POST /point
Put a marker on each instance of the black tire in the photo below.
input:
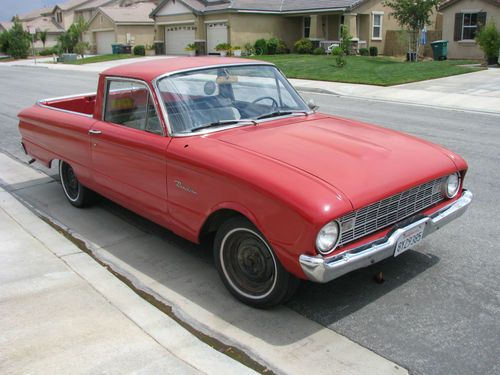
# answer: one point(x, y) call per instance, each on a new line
point(77, 194)
point(248, 266)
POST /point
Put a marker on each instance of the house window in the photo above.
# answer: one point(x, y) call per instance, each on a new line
point(58, 17)
point(469, 26)
point(307, 26)
point(377, 26)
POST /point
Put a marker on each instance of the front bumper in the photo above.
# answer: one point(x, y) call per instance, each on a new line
point(322, 270)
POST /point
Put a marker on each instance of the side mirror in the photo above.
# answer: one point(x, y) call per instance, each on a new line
point(312, 105)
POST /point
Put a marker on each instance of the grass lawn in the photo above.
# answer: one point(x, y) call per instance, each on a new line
point(381, 71)
point(101, 58)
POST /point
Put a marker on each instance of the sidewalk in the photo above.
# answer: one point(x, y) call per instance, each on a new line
point(62, 312)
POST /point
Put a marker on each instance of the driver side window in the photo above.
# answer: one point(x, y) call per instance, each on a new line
point(129, 103)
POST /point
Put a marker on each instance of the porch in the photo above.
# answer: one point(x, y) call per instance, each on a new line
point(325, 29)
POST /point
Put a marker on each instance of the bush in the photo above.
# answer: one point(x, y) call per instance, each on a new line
point(272, 46)
point(319, 51)
point(373, 51)
point(488, 39)
point(340, 59)
point(260, 47)
point(223, 47)
point(303, 45)
point(364, 52)
point(248, 49)
point(139, 50)
point(81, 47)
point(50, 51)
point(282, 48)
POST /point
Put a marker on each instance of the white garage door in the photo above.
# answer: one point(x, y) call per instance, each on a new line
point(177, 38)
point(216, 34)
point(104, 40)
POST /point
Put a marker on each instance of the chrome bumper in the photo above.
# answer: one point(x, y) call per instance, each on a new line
point(322, 270)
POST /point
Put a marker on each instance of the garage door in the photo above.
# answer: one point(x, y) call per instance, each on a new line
point(104, 40)
point(216, 34)
point(177, 38)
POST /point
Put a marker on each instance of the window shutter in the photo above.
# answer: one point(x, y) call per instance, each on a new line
point(481, 20)
point(458, 26)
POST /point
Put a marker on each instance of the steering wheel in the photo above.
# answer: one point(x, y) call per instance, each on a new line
point(274, 105)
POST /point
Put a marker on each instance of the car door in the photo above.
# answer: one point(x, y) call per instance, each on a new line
point(128, 149)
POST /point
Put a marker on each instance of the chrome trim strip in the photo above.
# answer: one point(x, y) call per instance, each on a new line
point(154, 83)
point(125, 79)
point(41, 103)
point(322, 269)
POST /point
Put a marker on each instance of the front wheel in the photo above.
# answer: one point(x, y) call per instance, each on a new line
point(77, 194)
point(248, 266)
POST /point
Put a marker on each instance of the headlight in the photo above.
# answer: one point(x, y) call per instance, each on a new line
point(328, 237)
point(451, 185)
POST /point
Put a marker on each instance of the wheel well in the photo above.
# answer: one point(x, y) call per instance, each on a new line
point(214, 221)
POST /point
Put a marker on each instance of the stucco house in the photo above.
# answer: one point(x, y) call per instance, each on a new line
point(210, 22)
point(126, 25)
point(461, 20)
point(40, 20)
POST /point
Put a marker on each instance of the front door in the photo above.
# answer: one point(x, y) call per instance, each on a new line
point(128, 149)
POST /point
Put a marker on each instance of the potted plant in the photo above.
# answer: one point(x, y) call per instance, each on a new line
point(191, 49)
point(488, 38)
point(223, 48)
point(236, 50)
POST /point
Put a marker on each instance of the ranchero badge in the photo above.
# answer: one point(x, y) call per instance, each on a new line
point(187, 189)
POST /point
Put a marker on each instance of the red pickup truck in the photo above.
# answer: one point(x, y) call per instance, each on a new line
point(226, 149)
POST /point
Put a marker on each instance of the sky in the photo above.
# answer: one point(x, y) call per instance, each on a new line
point(9, 8)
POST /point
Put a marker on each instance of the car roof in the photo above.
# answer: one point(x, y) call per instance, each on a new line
point(149, 70)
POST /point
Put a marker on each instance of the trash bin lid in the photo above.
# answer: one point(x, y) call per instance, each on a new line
point(439, 42)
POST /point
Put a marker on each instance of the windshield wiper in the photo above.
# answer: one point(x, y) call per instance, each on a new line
point(280, 113)
point(221, 123)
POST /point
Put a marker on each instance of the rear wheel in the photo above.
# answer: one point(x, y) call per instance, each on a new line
point(248, 266)
point(77, 194)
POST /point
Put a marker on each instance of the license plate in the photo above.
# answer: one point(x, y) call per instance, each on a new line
point(409, 239)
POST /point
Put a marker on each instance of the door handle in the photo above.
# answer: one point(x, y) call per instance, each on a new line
point(94, 132)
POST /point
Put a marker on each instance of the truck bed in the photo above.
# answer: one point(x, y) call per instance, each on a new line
point(81, 104)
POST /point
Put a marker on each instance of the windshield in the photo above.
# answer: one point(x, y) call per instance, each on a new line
point(227, 95)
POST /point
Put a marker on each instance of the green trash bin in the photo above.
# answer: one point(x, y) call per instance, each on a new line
point(117, 48)
point(440, 50)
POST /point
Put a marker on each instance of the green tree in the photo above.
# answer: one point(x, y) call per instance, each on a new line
point(413, 16)
point(4, 41)
point(18, 41)
point(345, 39)
point(72, 40)
point(42, 36)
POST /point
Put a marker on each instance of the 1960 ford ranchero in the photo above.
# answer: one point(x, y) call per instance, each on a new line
point(225, 148)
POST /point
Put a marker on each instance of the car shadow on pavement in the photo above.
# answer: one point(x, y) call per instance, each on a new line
point(182, 274)
point(331, 302)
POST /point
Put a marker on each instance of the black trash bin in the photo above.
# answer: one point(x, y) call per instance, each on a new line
point(440, 50)
point(126, 49)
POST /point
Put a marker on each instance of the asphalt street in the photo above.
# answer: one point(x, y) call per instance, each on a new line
point(438, 309)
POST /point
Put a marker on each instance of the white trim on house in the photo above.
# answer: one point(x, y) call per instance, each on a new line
point(380, 26)
point(217, 21)
point(168, 23)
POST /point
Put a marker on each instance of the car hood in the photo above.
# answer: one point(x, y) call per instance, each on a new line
point(366, 163)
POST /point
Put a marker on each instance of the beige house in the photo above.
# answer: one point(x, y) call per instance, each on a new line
point(129, 25)
point(40, 20)
point(461, 20)
point(210, 22)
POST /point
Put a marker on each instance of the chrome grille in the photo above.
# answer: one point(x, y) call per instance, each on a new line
point(388, 211)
